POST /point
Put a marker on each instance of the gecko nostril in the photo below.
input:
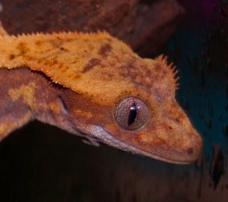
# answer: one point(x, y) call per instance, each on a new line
point(170, 127)
point(190, 151)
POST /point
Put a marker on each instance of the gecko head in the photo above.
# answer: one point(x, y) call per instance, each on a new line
point(163, 132)
point(123, 100)
point(148, 120)
point(147, 129)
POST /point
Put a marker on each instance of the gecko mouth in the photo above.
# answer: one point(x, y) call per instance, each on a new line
point(101, 134)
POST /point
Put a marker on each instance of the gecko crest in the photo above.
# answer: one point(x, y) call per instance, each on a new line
point(162, 58)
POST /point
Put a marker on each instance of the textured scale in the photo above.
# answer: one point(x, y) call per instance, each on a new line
point(94, 86)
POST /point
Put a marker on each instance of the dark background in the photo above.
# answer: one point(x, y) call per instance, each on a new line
point(42, 163)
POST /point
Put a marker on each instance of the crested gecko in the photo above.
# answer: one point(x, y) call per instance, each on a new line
point(94, 86)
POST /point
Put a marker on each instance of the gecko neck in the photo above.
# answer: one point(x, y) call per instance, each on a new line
point(27, 95)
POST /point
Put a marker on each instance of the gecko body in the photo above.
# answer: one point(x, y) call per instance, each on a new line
point(94, 86)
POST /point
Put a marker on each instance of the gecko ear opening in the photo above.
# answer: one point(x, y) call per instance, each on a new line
point(131, 113)
point(63, 105)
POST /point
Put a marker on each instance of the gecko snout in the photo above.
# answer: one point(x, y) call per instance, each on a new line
point(195, 149)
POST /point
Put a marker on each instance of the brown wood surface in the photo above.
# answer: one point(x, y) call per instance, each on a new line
point(144, 25)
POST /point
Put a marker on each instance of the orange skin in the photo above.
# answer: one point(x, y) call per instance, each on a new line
point(94, 86)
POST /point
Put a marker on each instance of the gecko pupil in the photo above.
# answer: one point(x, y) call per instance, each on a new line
point(132, 114)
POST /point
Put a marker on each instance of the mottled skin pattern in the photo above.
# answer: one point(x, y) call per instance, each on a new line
point(74, 81)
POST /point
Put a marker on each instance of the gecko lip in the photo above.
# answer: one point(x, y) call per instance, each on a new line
point(105, 137)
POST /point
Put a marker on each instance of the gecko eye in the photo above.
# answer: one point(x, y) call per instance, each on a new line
point(131, 113)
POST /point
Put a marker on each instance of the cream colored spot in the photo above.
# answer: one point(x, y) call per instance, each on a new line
point(84, 113)
point(55, 107)
point(26, 92)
